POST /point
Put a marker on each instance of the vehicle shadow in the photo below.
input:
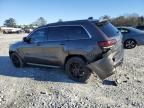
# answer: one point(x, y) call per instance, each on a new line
point(33, 72)
point(109, 82)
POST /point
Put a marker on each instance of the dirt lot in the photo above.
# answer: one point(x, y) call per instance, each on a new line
point(38, 87)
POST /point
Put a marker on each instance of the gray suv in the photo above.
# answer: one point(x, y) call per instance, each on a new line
point(80, 47)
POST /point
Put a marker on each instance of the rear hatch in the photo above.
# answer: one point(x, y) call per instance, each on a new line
point(112, 50)
point(115, 37)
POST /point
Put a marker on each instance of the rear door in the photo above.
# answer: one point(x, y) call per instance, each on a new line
point(78, 40)
point(112, 53)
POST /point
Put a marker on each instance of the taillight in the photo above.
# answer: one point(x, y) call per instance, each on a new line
point(108, 43)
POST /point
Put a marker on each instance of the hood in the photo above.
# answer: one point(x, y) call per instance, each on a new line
point(16, 45)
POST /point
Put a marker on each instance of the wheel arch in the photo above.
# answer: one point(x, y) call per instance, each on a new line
point(130, 39)
point(74, 55)
point(11, 52)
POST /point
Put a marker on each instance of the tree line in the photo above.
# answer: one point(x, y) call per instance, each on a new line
point(126, 20)
point(123, 20)
point(11, 22)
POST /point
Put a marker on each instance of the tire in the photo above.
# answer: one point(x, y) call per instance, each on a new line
point(75, 67)
point(130, 43)
point(16, 60)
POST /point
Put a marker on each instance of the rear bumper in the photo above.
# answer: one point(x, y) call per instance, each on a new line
point(105, 67)
point(119, 63)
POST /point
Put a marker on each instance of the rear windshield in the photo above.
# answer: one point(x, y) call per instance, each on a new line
point(108, 29)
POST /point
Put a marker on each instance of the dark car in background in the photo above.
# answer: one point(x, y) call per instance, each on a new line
point(79, 46)
point(140, 27)
point(132, 37)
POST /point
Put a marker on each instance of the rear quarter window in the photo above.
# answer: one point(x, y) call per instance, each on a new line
point(108, 29)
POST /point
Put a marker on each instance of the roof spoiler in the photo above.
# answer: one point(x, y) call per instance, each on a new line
point(100, 21)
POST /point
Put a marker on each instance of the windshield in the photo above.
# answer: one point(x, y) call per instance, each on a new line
point(108, 29)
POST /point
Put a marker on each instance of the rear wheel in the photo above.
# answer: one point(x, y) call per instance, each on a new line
point(76, 69)
point(129, 44)
point(16, 60)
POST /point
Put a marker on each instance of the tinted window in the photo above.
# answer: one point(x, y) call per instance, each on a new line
point(39, 35)
point(77, 32)
point(57, 33)
point(108, 29)
point(122, 30)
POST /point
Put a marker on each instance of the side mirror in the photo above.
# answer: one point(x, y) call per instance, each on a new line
point(25, 39)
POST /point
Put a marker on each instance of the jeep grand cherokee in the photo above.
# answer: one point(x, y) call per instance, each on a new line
point(81, 47)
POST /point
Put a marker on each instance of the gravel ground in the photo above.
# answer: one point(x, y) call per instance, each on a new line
point(39, 87)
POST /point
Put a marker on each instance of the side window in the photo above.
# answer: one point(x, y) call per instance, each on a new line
point(57, 33)
point(77, 32)
point(39, 35)
point(124, 31)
